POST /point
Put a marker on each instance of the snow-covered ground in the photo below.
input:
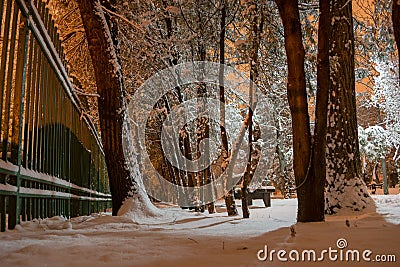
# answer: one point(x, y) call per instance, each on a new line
point(182, 238)
point(389, 207)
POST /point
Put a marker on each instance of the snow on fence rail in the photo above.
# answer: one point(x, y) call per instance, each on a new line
point(51, 158)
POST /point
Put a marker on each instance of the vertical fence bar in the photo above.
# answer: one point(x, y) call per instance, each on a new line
point(3, 211)
point(39, 149)
point(32, 106)
point(37, 111)
point(28, 208)
point(68, 166)
point(53, 145)
point(9, 83)
point(46, 133)
point(19, 96)
point(28, 104)
point(3, 66)
point(57, 126)
point(51, 135)
point(23, 208)
point(12, 212)
point(34, 208)
point(40, 121)
point(54, 106)
point(46, 125)
point(19, 93)
point(63, 139)
point(45, 141)
point(50, 207)
point(13, 200)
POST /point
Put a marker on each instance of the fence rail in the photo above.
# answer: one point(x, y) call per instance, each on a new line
point(51, 158)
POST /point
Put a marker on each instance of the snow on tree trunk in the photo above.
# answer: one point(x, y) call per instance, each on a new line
point(282, 167)
point(346, 190)
point(125, 178)
point(137, 205)
point(229, 199)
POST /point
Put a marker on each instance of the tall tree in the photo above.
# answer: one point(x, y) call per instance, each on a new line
point(272, 73)
point(256, 27)
point(125, 180)
point(345, 187)
point(309, 189)
point(323, 87)
point(396, 27)
point(229, 200)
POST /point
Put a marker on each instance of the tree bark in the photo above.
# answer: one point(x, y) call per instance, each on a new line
point(124, 182)
point(203, 134)
point(255, 31)
point(319, 146)
point(229, 199)
point(345, 187)
point(307, 190)
point(285, 188)
point(396, 27)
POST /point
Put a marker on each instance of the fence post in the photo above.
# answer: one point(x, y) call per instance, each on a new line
point(17, 127)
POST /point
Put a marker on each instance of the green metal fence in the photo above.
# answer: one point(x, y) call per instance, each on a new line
point(51, 159)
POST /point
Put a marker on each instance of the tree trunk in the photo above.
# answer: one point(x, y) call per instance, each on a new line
point(375, 174)
point(282, 165)
point(256, 27)
point(384, 177)
point(316, 184)
point(396, 27)
point(184, 142)
point(229, 200)
point(203, 134)
point(345, 188)
point(125, 180)
point(308, 189)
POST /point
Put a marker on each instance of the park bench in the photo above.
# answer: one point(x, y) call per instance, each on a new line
point(264, 193)
point(373, 187)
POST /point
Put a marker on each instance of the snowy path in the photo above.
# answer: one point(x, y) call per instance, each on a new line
point(389, 207)
point(183, 238)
